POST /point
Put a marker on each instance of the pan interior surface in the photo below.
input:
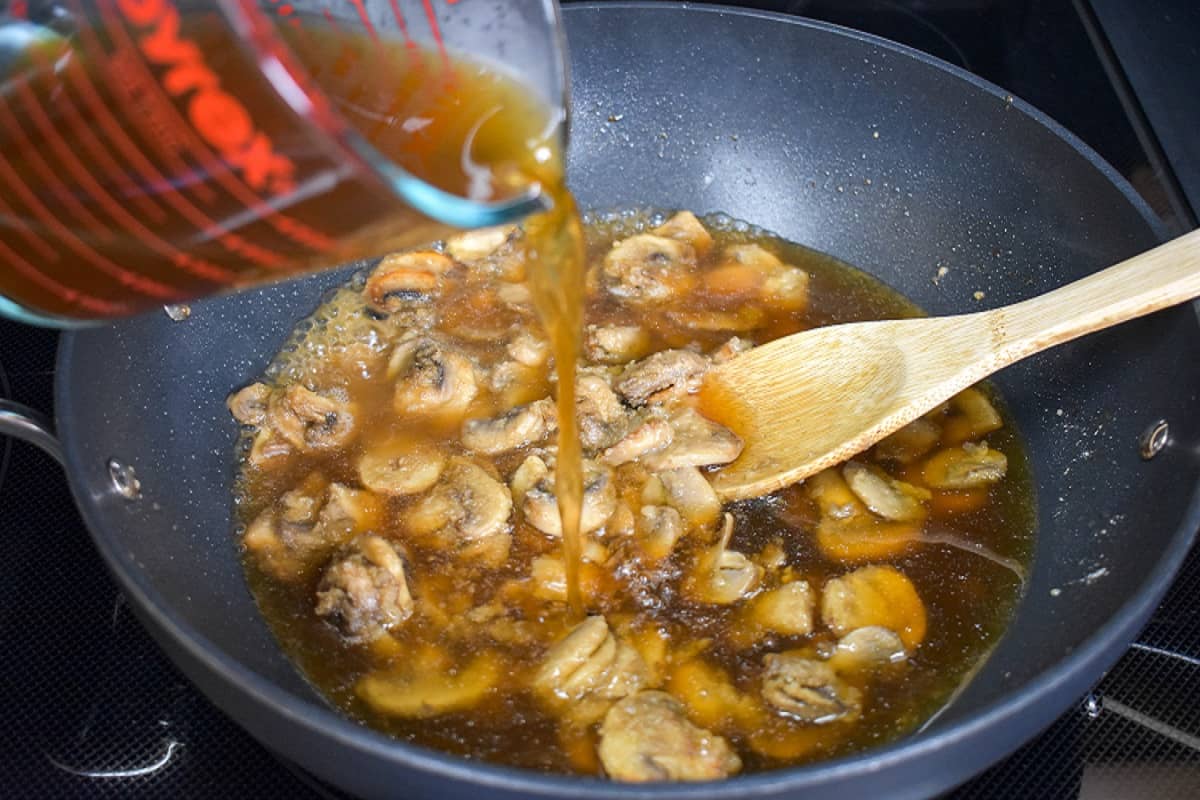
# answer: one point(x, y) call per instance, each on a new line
point(876, 155)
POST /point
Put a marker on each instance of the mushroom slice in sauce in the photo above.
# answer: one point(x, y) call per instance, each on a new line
point(511, 430)
point(689, 492)
point(363, 592)
point(249, 405)
point(696, 441)
point(588, 669)
point(431, 378)
point(886, 496)
point(876, 595)
point(808, 690)
point(478, 244)
point(599, 501)
point(647, 737)
point(867, 648)
point(972, 466)
point(659, 528)
point(466, 512)
point(723, 576)
point(421, 690)
point(652, 435)
point(788, 609)
point(307, 420)
point(666, 369)
point(403, 278)
point(307, 523)
point(615, 344)
point(910, 442)
point(649, 269)
point(400, 467)
point(603, 420)
point(683, 226)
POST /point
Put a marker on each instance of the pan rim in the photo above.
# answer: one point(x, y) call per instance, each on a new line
point(1092, 657)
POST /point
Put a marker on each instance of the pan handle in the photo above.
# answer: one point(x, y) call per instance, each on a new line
point(22, 422)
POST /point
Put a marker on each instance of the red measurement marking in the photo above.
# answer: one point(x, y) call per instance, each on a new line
point(128, 279)
point(85, 301)
point(113, 171)
point(286, 10)
point(198, 267)
point(88, 303)
point(116, 134)
point(32, 156)
point(366, 21)
point(216, 168)
point(399, 15)
point(97, 55)
point(437, 32)
point(17, 223)
point(18, 9)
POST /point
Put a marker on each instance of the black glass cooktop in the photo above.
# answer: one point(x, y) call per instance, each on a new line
point(89, 707)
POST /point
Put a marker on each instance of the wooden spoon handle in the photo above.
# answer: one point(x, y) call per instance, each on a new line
point(1162, 277)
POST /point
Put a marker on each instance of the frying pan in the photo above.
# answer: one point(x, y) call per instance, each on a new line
point(866, 150)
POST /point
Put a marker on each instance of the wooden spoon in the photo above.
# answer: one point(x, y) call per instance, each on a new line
point(814, 399)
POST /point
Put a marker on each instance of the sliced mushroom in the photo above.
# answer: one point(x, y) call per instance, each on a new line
point(649, 269)
point(975, 416)
point(602, 418)
point(787, 288)
point(886, 496)
point(363, 592)
point(733, 347)
point(431, 378)
point(665, 369)
point(400, 467)
point(724, 576)
point(651, 435)
point(910, 442)
point(414, 691)
point(310, 421)
point(514, 428)
point(877, 595)
point(847, 531)
point(528, 349)
point(971, 466)
point(532, 470)
point(588, 669)
point(307, 524)
point(658, 528)
point(249, 405)
point(689, 492)
point(710, 695)
point(466, 512)
point(808, 690)
point(685, 227)
point(696, 441)
point(599, 501)
point(788, 609)
point(647, 737)
point(405, 278)
point(867, 648)
point(738, 320)
point(478, 244)
point(615, 344)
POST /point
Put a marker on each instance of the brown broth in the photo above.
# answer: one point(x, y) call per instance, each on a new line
point(968, 599)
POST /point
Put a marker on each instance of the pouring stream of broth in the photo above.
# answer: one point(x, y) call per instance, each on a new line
point(486, 133)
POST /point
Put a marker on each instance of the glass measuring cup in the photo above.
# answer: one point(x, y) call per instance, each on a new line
point(154, 151)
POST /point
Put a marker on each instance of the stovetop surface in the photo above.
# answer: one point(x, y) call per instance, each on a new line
point(91, 708)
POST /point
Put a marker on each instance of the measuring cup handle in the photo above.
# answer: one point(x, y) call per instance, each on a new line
point(26, 424)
